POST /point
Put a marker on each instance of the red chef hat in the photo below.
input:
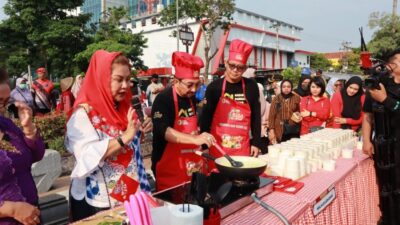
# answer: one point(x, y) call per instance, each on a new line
point(41, 70)
point(187, 66)
point(239, 51)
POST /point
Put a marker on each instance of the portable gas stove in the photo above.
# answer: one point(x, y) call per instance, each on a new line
point(237, 198)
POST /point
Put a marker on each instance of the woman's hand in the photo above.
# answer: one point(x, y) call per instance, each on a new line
point(305, 113)
point(132, 128)
point(25, 213)
point(340, 120)
point(272, 137)
point(25, 116)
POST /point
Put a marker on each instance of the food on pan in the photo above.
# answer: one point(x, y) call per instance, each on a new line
point(248, 162)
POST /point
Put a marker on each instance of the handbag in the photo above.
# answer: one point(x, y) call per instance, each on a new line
point(291, 129)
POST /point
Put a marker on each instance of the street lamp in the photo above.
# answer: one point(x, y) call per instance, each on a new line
point(276, 25)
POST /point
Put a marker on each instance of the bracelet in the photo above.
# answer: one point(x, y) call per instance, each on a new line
point(120, 141)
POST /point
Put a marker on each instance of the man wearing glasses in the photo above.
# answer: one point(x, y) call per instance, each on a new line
point(232, 112)
point(175, 130)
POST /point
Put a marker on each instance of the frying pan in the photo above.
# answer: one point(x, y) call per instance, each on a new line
point(252, 167)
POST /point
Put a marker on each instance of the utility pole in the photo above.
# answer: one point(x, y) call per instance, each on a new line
point(346, 47)
point(276, 25)
point(394, 10)
point(177, 25)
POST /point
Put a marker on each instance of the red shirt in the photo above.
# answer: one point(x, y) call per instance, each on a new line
point(337, 108)
point(67, 101)
point(47, 85)
point(322, 109)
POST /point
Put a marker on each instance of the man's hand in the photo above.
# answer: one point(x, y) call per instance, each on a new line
point(254, 151)
point(147, 125)
point(204, 138)
point(368, 148)
point(378, 95)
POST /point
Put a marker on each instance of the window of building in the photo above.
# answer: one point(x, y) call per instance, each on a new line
point(153, 20)
point(143, 22)
point(133, 24)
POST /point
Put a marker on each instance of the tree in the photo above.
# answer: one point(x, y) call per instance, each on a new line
point(109, 37)
point(387, 36)
point(41, 34)
point(352, 62)
point(319, 61)
point(293, 74)
point(211, 14)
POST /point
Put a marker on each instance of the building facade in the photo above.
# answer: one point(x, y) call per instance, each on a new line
point(97, 8)
point(274, 48)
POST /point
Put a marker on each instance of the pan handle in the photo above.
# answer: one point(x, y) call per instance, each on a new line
point(205, 155)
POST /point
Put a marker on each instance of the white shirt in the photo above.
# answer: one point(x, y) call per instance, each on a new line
point(89, 146)
point(150, 89)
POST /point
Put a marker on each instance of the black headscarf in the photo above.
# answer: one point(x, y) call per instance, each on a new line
point(299, 90)
point(291, 89)
point(352, 105)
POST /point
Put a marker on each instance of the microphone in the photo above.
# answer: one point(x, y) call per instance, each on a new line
point(135, 102)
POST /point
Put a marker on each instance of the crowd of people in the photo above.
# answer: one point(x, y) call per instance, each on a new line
point(104, 129)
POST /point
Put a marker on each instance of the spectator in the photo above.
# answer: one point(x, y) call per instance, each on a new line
point(19, 149)
point(42, 90)
point(250, 73)
point(315, 108)
point(347, 105)
point(67, 98)
point(21, 93)
point(334, 85)
point(303, 88)
point(77, 85)
point(200, 97)
point(284, 115)
point(153, 89)
point(102, 135)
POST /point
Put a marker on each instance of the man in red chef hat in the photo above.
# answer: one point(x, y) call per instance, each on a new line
point(232, 112)
point(42, 88)
point(175, 131)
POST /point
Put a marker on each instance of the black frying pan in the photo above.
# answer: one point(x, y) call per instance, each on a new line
point(252, 167)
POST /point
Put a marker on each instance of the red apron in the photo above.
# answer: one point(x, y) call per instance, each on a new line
point(178, 161)
point(231, 126)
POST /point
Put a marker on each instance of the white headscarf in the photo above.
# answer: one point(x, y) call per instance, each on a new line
point(76, 86)
point(19, 81)
point(330, 87)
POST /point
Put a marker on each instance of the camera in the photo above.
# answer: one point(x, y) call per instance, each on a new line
point(378, 73)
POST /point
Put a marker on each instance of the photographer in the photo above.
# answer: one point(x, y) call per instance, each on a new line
point(382, 114)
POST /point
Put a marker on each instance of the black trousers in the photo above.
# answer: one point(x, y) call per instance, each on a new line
point(387, 168)
point(80, 209)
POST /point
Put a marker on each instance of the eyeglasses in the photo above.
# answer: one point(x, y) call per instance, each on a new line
point(336, 85)
point(190, 85)
point(239, 68)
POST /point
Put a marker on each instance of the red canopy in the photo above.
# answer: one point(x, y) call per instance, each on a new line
point(159, 71)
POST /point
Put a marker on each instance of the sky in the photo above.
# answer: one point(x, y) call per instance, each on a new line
point(326, 23)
